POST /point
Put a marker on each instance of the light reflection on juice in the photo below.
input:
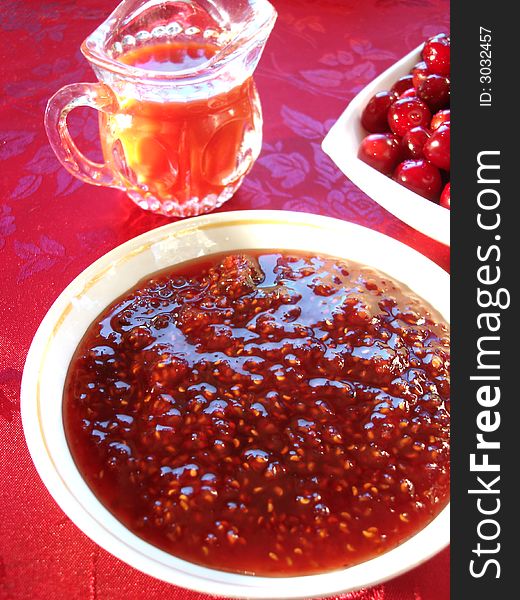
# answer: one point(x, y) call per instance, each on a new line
point(189, 153)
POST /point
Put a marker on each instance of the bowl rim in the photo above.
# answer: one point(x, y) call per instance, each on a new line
point(429, 218)
point(416, 549)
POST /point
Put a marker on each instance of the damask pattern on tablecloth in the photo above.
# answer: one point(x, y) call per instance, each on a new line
point(321, 53)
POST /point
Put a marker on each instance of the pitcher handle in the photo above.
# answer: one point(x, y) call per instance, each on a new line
point(93, 95)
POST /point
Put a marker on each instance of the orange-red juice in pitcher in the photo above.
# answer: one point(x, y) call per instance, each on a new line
point(180, 118)
point(192, 150)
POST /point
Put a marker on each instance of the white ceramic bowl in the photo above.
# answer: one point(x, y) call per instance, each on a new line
point(342, 143)
point(110, 276)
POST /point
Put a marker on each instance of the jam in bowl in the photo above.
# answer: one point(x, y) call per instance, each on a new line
point(265, 412)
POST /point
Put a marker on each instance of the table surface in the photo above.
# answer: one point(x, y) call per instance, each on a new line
point(321, 53)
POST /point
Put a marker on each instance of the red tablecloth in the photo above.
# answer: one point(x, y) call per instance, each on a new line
point(52, 226)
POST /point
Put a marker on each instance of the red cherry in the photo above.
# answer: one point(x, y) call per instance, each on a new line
point(409, 93)
point(436, 37)
point(435, 91)
point(407, 113)
point(413, 142)
point(382, 151)
point(403, 84)
point(445, 196)
point(374, 117)
point(421, 177)
point(436, 55)
point(437, 148)
point(439, 118)
point(419, 73)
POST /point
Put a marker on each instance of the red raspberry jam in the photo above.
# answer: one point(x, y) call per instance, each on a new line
point(266, 412)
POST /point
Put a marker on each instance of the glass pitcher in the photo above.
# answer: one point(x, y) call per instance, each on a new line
point(179, 115)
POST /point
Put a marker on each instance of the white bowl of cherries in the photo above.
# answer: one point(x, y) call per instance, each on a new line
point(393, 140)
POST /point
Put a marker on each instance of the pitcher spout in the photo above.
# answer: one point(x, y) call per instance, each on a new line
point(249, 25)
